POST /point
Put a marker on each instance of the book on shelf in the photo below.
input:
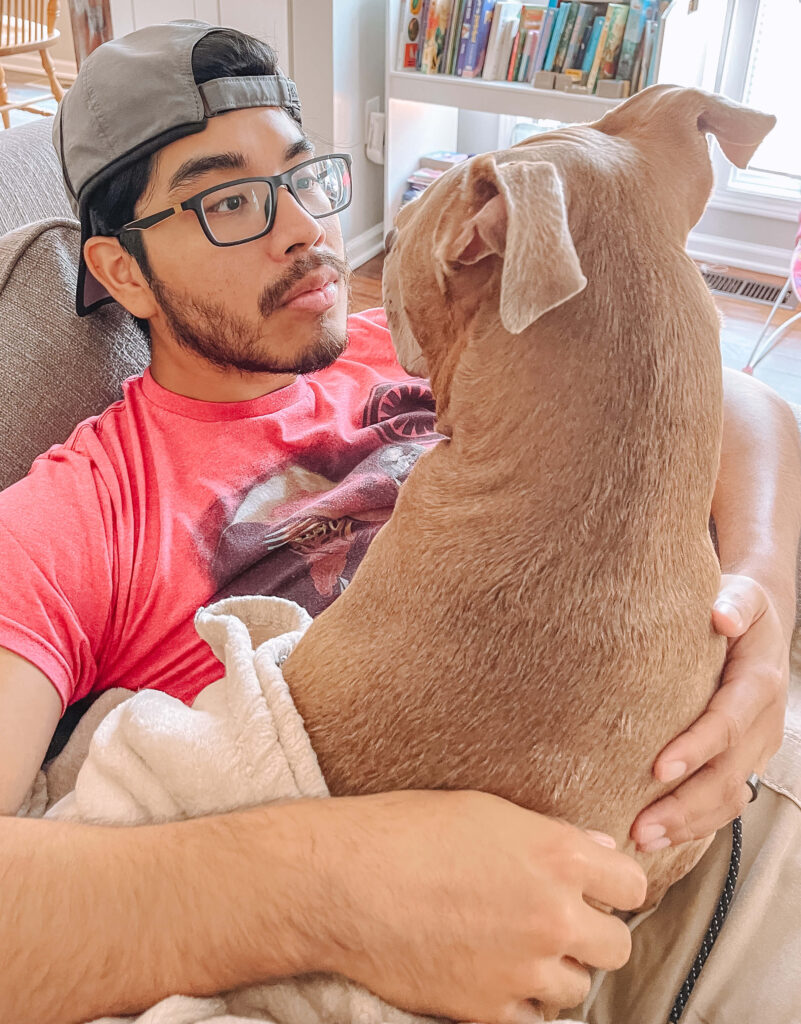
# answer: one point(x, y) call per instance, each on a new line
point(442, 159)
point(592, 44)
point(632, 37)
point(556, 35)
point(616, 16)
point(439, 12)
point(542, 44)
point(505, 16)
point(409, 33)
point(453, 38)
point(423, 27)
point(464, 34)
point(479, 35)
point(532, 19)
point(566, 36)
point(581, 30)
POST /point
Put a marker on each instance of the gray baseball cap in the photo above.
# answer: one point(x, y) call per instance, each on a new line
point(134, 96)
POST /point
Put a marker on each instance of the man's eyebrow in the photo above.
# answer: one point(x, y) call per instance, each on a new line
point(297, 148)
point(196, 167)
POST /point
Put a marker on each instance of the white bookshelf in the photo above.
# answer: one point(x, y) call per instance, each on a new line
point(422, 111)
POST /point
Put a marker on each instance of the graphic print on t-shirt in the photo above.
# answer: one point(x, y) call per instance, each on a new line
point(301, 532)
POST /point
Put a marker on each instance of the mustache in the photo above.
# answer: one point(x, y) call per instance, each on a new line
point(274, 294)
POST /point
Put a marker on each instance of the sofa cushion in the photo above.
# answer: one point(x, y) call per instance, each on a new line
point(30, 176)
point(55, 368)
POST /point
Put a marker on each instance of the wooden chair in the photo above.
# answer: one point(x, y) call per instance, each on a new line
point(27, 25)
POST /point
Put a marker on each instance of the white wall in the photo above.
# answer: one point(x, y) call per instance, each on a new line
point(338, 65)
point(267, 19)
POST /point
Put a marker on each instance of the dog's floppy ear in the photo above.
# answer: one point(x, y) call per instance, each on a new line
point(670, 108)
point(522, 218)
point(738, 129)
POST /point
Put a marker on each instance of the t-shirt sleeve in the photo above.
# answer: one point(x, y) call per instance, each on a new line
point(56, 570)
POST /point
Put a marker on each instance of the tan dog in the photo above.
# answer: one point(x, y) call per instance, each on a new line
point(535, 618)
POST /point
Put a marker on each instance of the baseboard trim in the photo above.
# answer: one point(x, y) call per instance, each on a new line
point(366, 245)
point(729, 252)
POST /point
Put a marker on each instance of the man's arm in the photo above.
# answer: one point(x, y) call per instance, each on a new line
point(29, 712)
point(757, 511)
point(757, 502)
point(459, 904)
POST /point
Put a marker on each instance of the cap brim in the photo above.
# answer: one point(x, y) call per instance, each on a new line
point(90, 293)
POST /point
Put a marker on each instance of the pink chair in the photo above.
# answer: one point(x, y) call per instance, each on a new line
point(794, 282)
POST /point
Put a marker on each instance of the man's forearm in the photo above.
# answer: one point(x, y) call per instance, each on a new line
point(102, 920)
point(757, 501)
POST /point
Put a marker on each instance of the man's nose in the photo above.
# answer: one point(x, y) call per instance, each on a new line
point(294, 228)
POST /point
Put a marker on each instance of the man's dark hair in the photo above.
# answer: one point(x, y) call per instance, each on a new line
point(221, 54)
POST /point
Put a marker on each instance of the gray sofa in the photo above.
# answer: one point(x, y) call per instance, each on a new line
point(56, 369)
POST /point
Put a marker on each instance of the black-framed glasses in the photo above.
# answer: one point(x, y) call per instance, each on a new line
point(242, 210)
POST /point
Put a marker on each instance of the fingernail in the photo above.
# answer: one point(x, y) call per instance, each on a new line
point(602, 838)
point(657, 844)
point(730, 612)
point(648, 833)
point(672, 770)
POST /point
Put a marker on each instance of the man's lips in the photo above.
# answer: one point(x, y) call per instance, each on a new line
point(315, 293)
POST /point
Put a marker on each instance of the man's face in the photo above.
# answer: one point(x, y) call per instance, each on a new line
point(276, 304)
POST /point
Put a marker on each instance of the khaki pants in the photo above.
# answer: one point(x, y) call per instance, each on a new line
point(753, 975)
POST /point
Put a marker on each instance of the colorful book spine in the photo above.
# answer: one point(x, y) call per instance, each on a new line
point(433, 47)
point(532, 17)
point(595, 70)
point(542, 43)
point(505, 22)
point(479, 33)
point(567, 34)
point(409, 34)
point(583, 23)
point(464, 39)
point(454, 35)
point(617, 15)
point(645, 57)
point(423, 28)
point(556, 35)
point(515, 57)
point(635, 26)
point(592, 44)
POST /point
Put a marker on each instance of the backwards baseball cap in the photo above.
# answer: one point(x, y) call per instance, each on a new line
point(134, 96)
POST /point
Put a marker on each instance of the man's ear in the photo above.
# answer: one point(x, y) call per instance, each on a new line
point(521, 218)
point(120, 274)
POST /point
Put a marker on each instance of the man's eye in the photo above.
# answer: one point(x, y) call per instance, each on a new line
point(306, 183)
point(230, 204)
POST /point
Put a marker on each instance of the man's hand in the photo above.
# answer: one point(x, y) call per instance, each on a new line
point(737, 734)
point(464, 905)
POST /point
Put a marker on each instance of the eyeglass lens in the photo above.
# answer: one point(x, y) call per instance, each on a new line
point(236, 213)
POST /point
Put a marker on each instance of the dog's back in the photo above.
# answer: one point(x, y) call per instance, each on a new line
point(535, 619)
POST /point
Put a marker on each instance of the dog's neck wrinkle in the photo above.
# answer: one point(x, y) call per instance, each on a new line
point(622, 417)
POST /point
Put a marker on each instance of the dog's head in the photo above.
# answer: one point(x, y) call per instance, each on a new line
point(513, 236)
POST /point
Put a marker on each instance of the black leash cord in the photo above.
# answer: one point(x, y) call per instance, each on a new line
point(715, 925)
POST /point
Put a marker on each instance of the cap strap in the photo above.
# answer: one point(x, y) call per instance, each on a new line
point(222, 94)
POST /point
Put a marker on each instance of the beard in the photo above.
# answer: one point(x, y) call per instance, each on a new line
point(232, 342)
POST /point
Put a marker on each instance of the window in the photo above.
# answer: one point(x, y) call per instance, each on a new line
point(770, 85)
point(762, 56)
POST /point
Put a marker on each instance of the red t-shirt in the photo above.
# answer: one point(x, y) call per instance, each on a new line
point(165, 503)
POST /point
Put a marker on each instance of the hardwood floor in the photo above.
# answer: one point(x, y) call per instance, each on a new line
point(742, 322)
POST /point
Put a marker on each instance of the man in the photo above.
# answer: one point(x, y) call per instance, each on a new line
point(206, 216)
